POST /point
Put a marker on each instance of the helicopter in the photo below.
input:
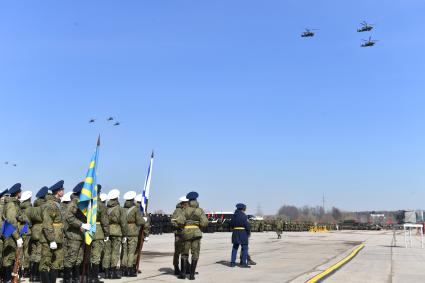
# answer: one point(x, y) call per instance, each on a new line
point(92, 121)
point(308, 33)
point(365, 27)
point(116, 124)
point(368, 43)
point(110, 119)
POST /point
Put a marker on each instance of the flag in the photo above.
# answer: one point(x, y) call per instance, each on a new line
point(24, 230)
point(146, 189)
point(88, 197)
point(7, 229)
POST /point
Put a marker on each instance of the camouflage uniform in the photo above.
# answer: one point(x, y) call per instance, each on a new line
point(74, 240)
point(36, 219)
point(117, 229)
point(12, 213)
point(26, 209)
point(98, 244)
point(279, 228)
point(194, 219)
point(52, 231)
point(135, 222)
point(178, 237)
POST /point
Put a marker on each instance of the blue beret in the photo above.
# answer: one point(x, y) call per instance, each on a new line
point(4, 193)
point(240, 206)
point(192, 196)
point(99, 188)
point(42, 192)
point(77, 189)
point(56, 187)
point(16, 188)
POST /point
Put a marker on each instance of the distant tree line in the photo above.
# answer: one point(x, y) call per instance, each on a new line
point(316, 214)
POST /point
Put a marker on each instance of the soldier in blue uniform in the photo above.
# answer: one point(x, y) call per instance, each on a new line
point(241, 232)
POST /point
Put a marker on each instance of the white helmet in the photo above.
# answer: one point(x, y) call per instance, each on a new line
point(138, 198)
point(103, 197)
point(67, 197)
point(183, 199)
point(130, 195)
point(25, 196)
point(113, 194)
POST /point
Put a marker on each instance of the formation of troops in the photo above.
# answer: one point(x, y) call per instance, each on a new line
point(50, 234)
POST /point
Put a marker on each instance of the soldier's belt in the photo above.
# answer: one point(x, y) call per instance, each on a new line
point(98, 223)
point(190, 227)
point(238, 228)
point(57, 224)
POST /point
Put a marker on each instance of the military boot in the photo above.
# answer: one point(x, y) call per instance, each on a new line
point(124, 271)
point(7, 276)
point(67, 275)
point(131, 272)
point(193, 269)
point(183, 267)
point(35, 272)
point(176, 270)
point(53, 275)
point(115, 274)
point(44, 276)
point(75, 277)
point(94, 278)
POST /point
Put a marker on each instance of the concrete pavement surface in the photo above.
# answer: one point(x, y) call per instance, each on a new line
point(297, 257)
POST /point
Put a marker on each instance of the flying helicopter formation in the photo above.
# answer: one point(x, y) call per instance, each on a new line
point(12, 164)
point(364, 27)
point(109, 119)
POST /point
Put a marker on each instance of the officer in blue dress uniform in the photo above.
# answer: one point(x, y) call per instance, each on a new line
point(241, 232)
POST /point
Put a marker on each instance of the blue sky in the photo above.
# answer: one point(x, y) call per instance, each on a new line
point(235, 104)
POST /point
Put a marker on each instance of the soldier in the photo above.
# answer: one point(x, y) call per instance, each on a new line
point(103, 197)
point(145, 227)
point(178, 232)
point(194, 219)
point(2, 204)
point(26, 208)
point(100, 237)
point(240, 235)
point(117, 235)
point(52, 235)
point(36, 233)
point(75, 226)
point(135, 222)
point(279, 228)
point(12, 214)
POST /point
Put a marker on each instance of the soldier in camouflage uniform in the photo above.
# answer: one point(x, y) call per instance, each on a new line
point(26, 209)
point(135, 222)
point(3, 196)
point(194, 221)
point(100, 237)
point(52, 235)
point(178, 232)
point(279, 228)
point(75, 226)
point(36, 220)
point(117, 235)
point(13, 215)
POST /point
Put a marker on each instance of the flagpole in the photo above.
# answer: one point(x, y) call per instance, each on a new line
point(141, 238)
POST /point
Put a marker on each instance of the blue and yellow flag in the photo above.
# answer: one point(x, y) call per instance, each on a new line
point(88, 196)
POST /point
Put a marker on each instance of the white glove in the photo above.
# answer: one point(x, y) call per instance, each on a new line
point(86, 226)
point(19, 242)
point(53, 246)
point(106, 239)
point(146, 239)
point(124, 240)
point(145, 218)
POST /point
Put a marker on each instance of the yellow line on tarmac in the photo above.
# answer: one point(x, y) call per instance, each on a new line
point(336, 266)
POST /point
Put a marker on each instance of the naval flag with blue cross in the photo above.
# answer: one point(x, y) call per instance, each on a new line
point(88, 197)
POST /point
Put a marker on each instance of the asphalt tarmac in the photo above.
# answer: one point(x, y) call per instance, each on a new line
point(297, 257)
